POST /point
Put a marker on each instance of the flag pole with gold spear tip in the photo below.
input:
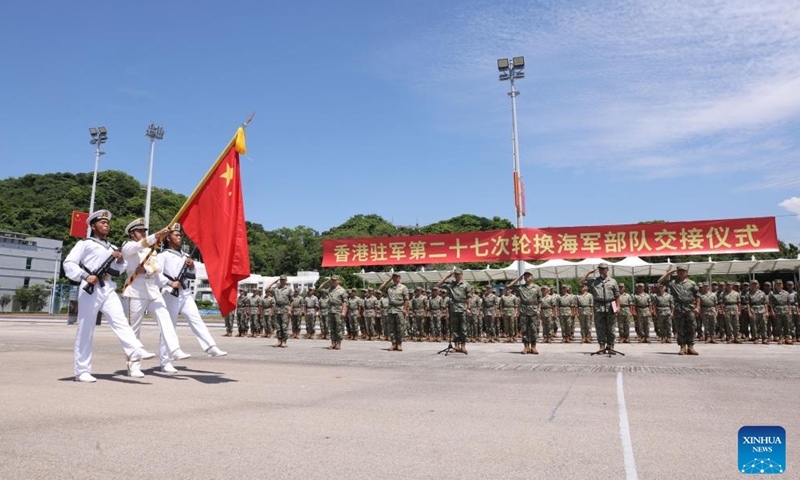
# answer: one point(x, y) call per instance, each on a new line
point(237, 141)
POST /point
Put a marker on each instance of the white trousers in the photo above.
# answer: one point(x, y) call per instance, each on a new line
point(136, 310)
point(104, 300)
point(184, 304)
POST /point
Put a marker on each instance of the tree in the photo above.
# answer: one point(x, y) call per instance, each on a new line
point(4, 301)
point(32, 298)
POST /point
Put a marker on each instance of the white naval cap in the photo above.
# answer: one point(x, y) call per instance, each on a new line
point(137, 224)
point(98, 215)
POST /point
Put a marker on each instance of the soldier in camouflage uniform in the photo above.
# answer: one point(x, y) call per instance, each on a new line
point(626, 312)
point(243, 313)
point(489, 305)
point(687, 306)
point(585, 304)
point(324, 313)
point(397, 295)
point(529, 300)
point(297, 313)
point(744, 318)
point(257, 318)
point(665, 306)
point(547, 312)
point(605, 296)
point(354, 305)
point(384, 301)
point(509, 304)
point(269, 313)
point(435, 307)
point(757, 311)
point(731, 305)
point(284, 299)
point(708, 311)
point(337, 299)
point(794, 327)
point(645, 311)
point(371, 307)
point(779, 309)
point(567, 309)
point(310, 312)
point(419, 307)
point(474, 317)
point(230, 317)
point(459, 292)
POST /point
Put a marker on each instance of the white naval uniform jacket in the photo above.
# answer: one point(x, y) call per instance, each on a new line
point(172, 262)
point(91, 253)
point(147, 285)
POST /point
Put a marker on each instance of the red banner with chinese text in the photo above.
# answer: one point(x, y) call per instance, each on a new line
point(609, 241)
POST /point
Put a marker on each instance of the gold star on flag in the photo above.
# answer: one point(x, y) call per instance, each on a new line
point(228, 175)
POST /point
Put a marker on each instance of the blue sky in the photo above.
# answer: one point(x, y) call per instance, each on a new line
point(630, 111)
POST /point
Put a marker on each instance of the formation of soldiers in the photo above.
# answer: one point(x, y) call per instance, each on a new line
point(729, 313)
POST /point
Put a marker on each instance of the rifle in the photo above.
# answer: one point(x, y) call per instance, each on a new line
point(181, 277)
point(101, 272)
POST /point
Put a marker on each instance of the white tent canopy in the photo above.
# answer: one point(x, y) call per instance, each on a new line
point(565, 269)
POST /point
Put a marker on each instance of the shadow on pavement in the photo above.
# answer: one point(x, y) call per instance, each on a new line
point(119, 376)
point(209, 378)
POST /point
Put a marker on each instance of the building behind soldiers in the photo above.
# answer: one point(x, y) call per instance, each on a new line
point(202, 290)
point(26, 261)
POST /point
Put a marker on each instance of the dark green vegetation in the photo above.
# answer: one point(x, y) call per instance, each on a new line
point(41, 205)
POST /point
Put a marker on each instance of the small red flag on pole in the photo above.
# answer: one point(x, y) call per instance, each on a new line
point(78, 226)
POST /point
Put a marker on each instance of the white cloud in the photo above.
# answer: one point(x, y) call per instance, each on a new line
point(792, 205)
point(689, 86)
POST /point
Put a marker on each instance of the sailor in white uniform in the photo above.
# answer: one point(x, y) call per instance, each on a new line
point(92, 262)
point(143, 294)
point(178, 297)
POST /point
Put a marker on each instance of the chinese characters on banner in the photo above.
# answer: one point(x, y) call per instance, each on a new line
point(643, 240)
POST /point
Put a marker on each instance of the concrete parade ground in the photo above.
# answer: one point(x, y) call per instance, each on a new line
point(363, 412)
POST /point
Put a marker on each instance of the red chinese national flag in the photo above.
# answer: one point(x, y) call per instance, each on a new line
point(213, 218)
point(78, 226)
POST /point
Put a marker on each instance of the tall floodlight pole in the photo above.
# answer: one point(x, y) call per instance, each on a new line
point(511, 70)
point(57, 252)
point(99, 137)
point(154, 132)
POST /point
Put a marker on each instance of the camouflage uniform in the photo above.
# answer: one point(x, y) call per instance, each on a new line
point(297, 313)
point(324, 313)
point(529, 299)
point(605, 292)
point(490, 302)
point(685, 294)
point(624, 316)
point(419, 307)
point(643, 303)
point(458, 293)
point(435, 305)
point(354, 305)
point(566, 303)
point(731, 305)
point(547, 311)
point(585, 304)
point(243, 315)
point(310, 312)
point(397, 295)
point(665, 304)
point(756, 304)
point(779, 303)
point(257, 317)
point(385, 317)
point(474, 317)
point(371, 306)
point(708, 311)
point(337, 297)
point(508, 305)
point(283, 306)
point(269, 314)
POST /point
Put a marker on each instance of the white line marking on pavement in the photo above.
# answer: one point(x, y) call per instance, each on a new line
point(625, 432)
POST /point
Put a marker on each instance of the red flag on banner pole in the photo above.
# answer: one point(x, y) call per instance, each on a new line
point(213, 217)
point(78, 226)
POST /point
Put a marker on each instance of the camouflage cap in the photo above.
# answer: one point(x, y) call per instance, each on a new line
point(729, 283)
point(458, 271)
point(602, 265)
point(334, 277)
point(395, 274)
point(767, 283)
point(682, 266)
point(754, 282)
point(779, 281)
point(283, 277)
point(640, 285)
point(702, 284)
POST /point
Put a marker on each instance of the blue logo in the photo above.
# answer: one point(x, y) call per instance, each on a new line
point(762, 450)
